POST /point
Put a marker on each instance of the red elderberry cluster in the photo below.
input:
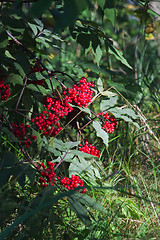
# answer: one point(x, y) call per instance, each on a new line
point(72, 183)
point(80, 95)
point(109, 122)
point(4, 90)
point(47, 175)
point(56, 107)
point(90, 149)
point(47, 122)
point(20, 131)
point(59, 107)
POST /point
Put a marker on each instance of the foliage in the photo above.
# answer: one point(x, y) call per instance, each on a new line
point(78, 157)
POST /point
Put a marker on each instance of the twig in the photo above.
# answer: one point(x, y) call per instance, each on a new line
point(11, 36)
point(64, 74)
point(20, 96)
point(62, 159)
point(79, 130)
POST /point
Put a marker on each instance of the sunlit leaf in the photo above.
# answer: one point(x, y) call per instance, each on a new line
point(100, 85)
point(100, 132)
point(106, 104)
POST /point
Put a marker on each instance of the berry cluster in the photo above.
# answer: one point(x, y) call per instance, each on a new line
point(72, 183)
point(47, 122)
point(81, 95)
point(4, 90)
point(109, 122)
point(57, 107)
point(47, 175)
point(20, 131)
point(90, 149)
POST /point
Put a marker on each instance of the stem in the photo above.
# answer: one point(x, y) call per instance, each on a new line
point(62, 159)
point(64, 74)
point(60, 82)
point(79, 130)
point(20, 96)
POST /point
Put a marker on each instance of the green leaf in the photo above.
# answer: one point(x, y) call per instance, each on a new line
point(93, 67)
point(33, 27)
point(84, 40)
point(39, 7)
point(81, 154)
point(72, 9)
point(18, 25)
point(3, 37)
point(38, 89)
point(80, 210)
point(118, 54)
point(101, 3)
point(80, 166)
point(125, 114)
point(8, 163)
point(107, 104)
point(86, 110)
point(19, 69)
point(66, 157)
point(110, 13)
point(10, 136)
point(60, 145)
point(100, 132)
point(98, 54)
point(7, 53)
point(15, 79)
point(90, 202)
point(108, 94)
point(129, 112)
point(30, 172)
point(23, 61)
point(38, 139)
point(100, 85)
